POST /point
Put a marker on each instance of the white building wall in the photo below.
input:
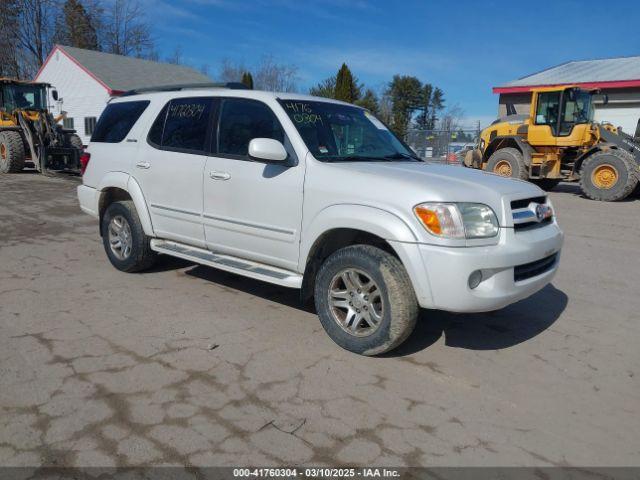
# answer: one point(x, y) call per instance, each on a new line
point(81, 95)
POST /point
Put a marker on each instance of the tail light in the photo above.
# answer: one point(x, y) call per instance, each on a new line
point(84, 162)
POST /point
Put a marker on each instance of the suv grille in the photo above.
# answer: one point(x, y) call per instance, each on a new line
point(525, 216)
point(533, 269)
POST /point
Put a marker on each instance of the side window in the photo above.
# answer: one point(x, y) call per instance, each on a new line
point(548, 110)
point(155, 133)
point(117, 120)
point(187, 124)
point(68, 123)
point(243, 120)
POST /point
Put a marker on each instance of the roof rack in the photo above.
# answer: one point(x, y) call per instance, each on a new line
point(187, 86)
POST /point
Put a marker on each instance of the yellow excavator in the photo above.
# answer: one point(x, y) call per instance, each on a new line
point(28, 131)
point(560, 141)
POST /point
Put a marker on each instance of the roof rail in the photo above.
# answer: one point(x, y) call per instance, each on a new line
point(187, 86)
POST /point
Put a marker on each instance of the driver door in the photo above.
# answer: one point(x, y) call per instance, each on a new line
point(543, 131)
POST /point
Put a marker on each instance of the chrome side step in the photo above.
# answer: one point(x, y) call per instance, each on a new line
point(256, 270)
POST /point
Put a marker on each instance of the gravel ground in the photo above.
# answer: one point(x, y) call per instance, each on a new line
point(186, 365)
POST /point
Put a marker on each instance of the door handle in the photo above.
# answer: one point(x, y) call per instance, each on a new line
point(219, 175)
point(144, 165)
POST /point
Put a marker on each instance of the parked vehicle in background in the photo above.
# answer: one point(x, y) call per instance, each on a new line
point(313, 194)
point(559, 141)
point(29, 132)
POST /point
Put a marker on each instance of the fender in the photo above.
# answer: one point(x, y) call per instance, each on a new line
point(127, 183)
point(369, 219)
point(384, 224)
point(523, 146)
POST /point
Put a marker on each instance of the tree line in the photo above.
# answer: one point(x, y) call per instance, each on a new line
point(30, 28)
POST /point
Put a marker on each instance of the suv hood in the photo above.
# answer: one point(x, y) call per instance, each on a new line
point(406, 184)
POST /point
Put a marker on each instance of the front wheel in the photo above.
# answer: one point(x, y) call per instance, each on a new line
point(508, 162)
point(125, 242)
point(365, 300)
point(609, 175)
point(11, 152)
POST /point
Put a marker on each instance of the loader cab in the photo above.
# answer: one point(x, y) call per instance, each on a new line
point(23, 96)
point(560, 117)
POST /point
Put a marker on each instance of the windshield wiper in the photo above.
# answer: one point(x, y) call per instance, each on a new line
point(402, 156)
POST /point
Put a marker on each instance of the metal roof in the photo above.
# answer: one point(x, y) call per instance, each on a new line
point(119, 73)
point(609, 72)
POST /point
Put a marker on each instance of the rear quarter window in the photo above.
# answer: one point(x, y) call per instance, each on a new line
point(117, 120)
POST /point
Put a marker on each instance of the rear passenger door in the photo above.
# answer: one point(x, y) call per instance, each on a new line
point(170, 166)
point(252, 209)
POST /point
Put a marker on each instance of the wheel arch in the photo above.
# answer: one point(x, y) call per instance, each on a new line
point(117, 186)
point(340, 226)
point(516, 142)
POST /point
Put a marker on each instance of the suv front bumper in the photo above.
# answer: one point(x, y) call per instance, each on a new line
point(440, 275)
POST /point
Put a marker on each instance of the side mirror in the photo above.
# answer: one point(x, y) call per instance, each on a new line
point(54, 94)
point(267, 149)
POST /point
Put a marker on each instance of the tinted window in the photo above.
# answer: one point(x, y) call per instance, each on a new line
point(243, 120)
point(155, 133)
point(186, 124)
point(548, 110)
point(116, 121)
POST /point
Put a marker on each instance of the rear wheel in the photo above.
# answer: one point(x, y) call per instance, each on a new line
point(125, 242)
point(508, 162)
point(609, 175)
point(11, 152)
point(365, 300)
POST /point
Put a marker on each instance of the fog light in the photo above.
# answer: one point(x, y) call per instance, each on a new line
point(474, 279)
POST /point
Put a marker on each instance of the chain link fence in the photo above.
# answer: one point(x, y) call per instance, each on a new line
point(442, 146)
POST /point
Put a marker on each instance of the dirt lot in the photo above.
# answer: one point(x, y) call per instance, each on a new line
point(186, 365)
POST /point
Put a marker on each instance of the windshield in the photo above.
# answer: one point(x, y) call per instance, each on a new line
point(25, 97)
point(334, 132)
point(577, 108)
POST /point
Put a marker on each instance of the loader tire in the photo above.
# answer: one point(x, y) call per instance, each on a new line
point(74, 141)
point(609, 175)
point(11, 152)
point(508, 162)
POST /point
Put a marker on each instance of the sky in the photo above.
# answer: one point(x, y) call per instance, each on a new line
point(463, 47)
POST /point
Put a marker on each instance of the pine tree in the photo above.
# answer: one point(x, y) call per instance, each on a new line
point(326, 88)
point(405, 93)
point(76, 28)
point(347, 88)
point(369, 101)
point(247, 79)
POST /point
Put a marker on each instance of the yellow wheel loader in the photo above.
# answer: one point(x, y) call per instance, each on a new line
point(28, 132)
point(559, 141)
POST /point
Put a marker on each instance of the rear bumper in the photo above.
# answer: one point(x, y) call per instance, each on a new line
point(441, 280)
point(88, 198)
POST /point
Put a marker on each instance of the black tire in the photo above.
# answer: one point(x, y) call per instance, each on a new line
point(74, 141)
point(513, 158)
point(11, 152)
point(547, 184)
point(622, 163)
point(400, 306)
point(141, 257)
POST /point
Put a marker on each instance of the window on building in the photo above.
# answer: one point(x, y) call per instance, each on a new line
point(68, 123)
point(243, 120)
point(116, 121)
point(89, 125)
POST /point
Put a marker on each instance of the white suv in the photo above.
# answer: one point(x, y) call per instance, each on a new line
point(313, 194)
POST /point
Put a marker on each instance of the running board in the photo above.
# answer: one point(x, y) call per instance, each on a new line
point(247, 268)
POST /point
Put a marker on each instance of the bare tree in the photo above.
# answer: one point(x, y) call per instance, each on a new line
point(231, 71)
point(125, 31)
point(452, 119)
point(177, 56)
point(275, 77)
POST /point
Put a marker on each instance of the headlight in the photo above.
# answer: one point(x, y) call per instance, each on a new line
point(458, 220)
